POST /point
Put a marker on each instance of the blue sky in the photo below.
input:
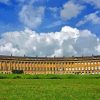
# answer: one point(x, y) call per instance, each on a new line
point(10, 19)
point(49, 16)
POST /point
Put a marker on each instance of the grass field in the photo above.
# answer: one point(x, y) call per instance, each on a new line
point(51, 89)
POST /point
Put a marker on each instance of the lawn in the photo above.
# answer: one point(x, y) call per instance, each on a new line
point(50, 89)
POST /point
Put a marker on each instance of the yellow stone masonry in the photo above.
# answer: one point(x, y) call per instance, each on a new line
point(50, 65)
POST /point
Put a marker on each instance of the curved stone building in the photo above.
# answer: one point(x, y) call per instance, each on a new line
point(50, 65)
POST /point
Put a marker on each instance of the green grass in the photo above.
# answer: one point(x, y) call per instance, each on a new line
point(44, 89)
point(48, 76)
point(83, 87)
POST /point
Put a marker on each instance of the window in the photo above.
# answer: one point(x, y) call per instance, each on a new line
point(73, 69)
point(88, 63)
point(95, 62)
point(79, 68)
point(82, 68)
point(69, 68)
point(50, 68)
point(88, 68)
point(25, 68)
point(50, 62)
point(66, 68)
point(98, 62)
point(85, 68)
point(92, 68)
point(95, 68)
point(47, 68)
point(92, 63)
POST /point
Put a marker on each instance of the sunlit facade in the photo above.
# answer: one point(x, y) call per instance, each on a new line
point(50, 65)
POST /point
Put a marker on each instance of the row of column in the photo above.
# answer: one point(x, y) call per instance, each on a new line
point(50, 68)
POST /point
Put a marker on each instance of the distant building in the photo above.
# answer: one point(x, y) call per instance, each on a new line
point(50, 65)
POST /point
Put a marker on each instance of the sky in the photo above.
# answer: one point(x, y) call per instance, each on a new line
point(50, 27)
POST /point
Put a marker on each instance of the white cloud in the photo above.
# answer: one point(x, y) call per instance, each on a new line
point(54, 12)
point(53, 9)
point(4, 1)
point(70, 10)
point(93, 18)
point(55, 24)
point(20, 1)
point(69, 41)
point(30, 16)
point(27, 2)
point(95, 3)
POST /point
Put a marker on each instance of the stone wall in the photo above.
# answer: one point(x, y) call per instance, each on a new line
point(50, 65)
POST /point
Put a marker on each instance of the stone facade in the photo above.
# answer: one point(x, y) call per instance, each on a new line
point(50, 65)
